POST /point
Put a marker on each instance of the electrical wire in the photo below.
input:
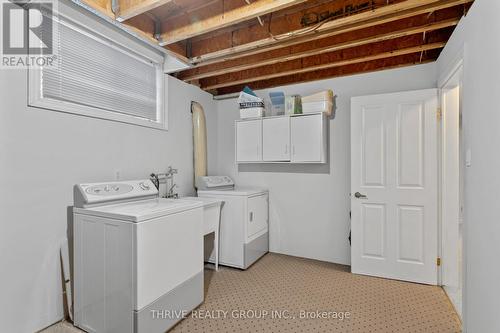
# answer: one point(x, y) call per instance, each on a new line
point(312, 28)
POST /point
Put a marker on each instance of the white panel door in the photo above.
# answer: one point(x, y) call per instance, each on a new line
point(249, 141)
point(307, 138)
point(276, 139)
point(394, 186)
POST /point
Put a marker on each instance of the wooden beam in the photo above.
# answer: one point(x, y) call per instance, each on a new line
point(362, 68)
point(289, 18)
point(367, 19)
point(182, 9)
point(235, 16)
point(101, 6)
point(138, 25)
point(336, 47)
point(132, 8)
point(383, 55)
point(142, 26)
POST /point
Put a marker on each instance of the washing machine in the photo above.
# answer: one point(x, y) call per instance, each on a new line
point(138, 259)
point(244, 225)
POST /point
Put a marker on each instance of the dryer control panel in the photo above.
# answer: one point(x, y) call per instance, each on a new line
point(214, 183)
point(86, 195)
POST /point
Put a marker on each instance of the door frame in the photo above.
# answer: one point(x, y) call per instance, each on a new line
point(453, 76)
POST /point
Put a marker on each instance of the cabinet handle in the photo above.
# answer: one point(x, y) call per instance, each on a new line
point(251, 216)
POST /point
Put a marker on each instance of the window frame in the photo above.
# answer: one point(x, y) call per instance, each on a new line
point(102, 30)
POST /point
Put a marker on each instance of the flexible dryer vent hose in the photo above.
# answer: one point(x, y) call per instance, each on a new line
point(199, 140)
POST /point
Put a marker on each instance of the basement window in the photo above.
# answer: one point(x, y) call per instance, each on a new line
point(101, 73)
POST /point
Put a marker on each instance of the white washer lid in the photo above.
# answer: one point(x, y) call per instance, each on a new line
point(137, 211)
point(237, 190)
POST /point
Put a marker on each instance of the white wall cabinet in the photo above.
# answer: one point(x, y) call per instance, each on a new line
point(308, 138)
point(286, 139)
point(249, 141)
point(276, 135)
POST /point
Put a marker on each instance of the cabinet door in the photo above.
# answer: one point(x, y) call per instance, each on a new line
point(257, 216)
point(307, 138)
point(276, 139)
point(249, 141)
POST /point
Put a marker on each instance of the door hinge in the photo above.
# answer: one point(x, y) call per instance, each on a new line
point(439, 113)
point(438, 261)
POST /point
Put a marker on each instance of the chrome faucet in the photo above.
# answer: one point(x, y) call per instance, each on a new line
point(168, 179)
point(171, 171)
point(170, 176)
point(171, 194)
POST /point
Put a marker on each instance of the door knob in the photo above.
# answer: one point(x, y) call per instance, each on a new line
point(360, 196)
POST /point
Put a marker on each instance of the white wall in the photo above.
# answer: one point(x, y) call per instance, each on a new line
point(477, 35)
point(309, 205)
point(42, 155)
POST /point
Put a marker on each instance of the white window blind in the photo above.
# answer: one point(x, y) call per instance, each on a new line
point(103, 77)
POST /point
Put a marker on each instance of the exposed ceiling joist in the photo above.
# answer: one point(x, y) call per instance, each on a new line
point(410, 50)
point(131, 8)
point(334, 47)
point(302, 40)
point(235, 16)
point(360, 68)
point(362, 20)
